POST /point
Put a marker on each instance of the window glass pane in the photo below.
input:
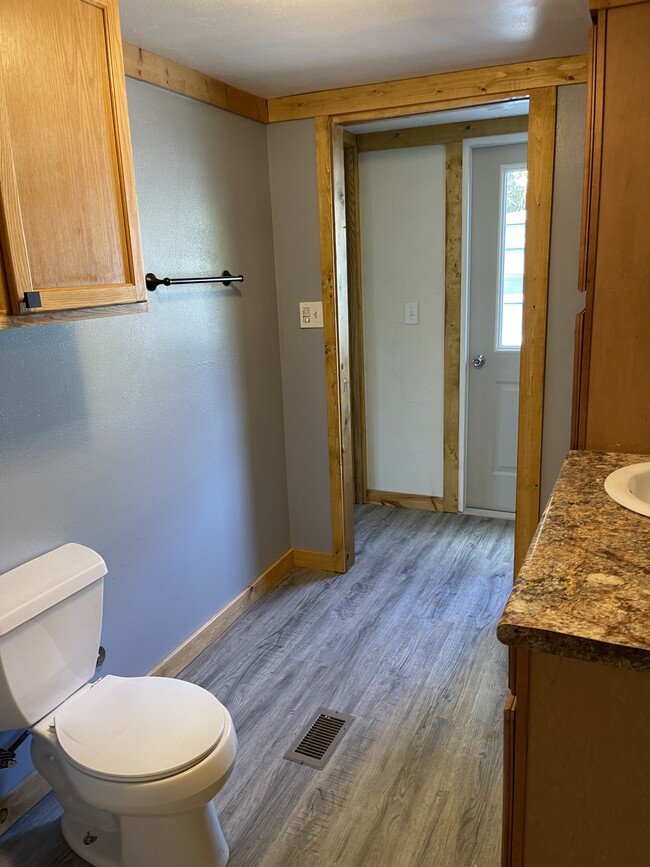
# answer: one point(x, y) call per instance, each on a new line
point(513, 243)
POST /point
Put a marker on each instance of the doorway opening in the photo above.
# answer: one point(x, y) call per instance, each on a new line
point(330, 141)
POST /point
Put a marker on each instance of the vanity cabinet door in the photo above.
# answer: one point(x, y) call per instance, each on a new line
point(68, 213)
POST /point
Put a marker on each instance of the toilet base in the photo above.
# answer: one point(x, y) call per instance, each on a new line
point(193, 838)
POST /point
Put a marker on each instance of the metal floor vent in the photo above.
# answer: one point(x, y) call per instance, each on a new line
point(316, 743)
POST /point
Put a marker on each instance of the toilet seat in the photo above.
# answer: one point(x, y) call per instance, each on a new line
point(139, 729)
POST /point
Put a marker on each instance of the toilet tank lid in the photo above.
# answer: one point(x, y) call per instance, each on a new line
point(32, 588)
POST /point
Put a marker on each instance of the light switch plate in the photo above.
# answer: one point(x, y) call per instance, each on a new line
point(411, 313)
point(311, 314)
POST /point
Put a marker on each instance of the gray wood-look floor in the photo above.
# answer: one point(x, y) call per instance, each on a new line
point(406, 643)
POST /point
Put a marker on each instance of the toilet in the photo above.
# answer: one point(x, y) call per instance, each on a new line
point(134, 761)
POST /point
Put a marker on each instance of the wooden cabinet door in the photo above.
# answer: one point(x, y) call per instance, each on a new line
point(614, 410)
point(68, 212)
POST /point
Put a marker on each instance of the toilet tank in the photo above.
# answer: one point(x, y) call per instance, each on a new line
point(50, 625)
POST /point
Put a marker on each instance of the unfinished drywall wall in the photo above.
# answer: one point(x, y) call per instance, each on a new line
point(402, 210)
point(158, 439)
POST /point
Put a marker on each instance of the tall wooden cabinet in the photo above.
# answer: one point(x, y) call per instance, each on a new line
point(612, 377)
point(69, 235)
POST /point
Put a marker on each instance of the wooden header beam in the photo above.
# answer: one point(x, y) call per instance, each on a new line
point(439, 134)
point(430, 89)
point(145, 66)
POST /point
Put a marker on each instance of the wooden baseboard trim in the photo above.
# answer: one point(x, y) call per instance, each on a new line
point(204, 636)
point(33, 788)
point(320, 560)
point(405, 501)
point(21, 799)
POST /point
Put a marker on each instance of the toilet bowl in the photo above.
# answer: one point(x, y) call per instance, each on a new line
point(134, 762)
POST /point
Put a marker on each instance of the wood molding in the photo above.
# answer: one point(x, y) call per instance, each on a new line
point(509, 722)
point(355, 305)
point(330, 174)
point(494, 80)
point(181, 657)
point(453, 254)
point(21, 799)
point(146, 66)
point(578, 343)
point(597, 5)
point(541, 159)
point(322, 561)
point(423, 136)
point(72, 315)
point(405, 501)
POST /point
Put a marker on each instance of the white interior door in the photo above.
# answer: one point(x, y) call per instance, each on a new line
point(497, 239)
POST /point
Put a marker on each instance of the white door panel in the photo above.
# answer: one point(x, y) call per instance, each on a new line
point(493, 388)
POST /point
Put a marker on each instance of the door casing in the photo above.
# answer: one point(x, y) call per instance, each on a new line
point(331, 194)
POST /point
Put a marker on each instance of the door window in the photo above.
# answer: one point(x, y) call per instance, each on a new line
point(512, 244)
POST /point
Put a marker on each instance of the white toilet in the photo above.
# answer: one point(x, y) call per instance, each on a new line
point(135, 762)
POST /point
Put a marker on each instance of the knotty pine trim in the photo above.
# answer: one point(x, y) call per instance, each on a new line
point(541, 161)
point(423, 136)
point(453, 255)
point(319, 560)
point(355, 305)
point(405, 501)
point(154, 69)
point(330, 173)
point(430, 89)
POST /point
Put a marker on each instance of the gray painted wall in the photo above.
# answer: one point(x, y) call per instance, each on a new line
point(564, 299)
point(158, 439)
point(292, 165)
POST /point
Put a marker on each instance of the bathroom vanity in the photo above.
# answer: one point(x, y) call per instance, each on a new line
point(577, 722)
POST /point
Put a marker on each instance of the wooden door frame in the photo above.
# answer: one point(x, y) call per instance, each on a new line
point(331, 197)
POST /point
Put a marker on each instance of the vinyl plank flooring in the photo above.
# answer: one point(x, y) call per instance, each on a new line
point(405, 641)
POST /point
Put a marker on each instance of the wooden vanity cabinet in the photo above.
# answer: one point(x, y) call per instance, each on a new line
point(579, 764)
point(612, 378)
point(69, 229)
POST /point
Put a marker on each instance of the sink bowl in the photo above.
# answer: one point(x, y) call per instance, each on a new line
point(630, 486)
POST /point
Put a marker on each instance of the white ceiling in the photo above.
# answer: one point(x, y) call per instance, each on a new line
point(280, 47)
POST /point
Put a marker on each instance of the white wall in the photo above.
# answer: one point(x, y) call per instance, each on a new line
point(402, 208)
point(158, 439)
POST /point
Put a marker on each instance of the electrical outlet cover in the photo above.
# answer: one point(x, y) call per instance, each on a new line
point(311, 314)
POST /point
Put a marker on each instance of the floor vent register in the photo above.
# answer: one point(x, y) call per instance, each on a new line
point(316, 743)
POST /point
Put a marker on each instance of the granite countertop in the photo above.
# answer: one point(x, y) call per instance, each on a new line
point(584, 588)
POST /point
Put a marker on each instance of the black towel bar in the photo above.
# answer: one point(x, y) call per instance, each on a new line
point(152, 282)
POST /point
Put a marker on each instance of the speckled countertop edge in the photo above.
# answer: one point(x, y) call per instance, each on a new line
point(584, 588)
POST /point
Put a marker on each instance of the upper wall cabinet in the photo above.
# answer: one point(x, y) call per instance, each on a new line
point(612, 394)
point(68, 214)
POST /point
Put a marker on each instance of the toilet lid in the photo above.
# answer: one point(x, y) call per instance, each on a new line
point(139, 728)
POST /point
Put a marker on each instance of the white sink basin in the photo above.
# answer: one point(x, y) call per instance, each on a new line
point(630, 486)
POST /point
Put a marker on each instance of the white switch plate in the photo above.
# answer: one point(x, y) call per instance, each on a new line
point(411, 313)
point(311, 314)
